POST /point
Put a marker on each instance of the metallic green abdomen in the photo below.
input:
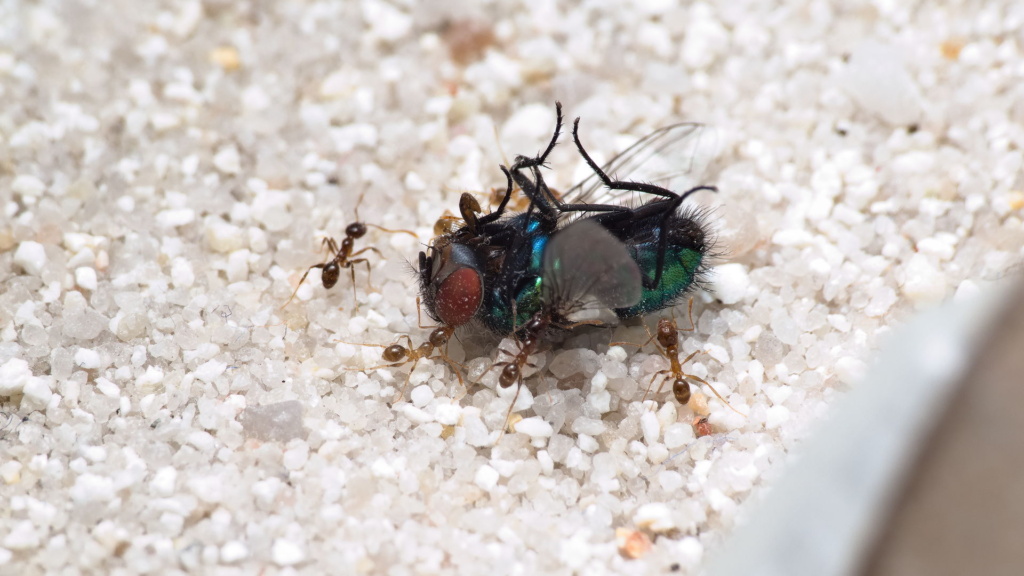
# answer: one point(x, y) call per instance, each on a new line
point(681, 266)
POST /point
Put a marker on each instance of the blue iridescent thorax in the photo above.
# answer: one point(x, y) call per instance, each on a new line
point(516, 295)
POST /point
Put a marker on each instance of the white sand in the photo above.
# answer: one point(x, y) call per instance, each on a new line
point(166, 177)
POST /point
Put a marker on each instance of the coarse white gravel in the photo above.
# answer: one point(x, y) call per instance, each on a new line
point(167, 173)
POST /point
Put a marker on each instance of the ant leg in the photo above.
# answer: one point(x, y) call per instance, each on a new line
point(358, 203)
point(419, 320)
point(360, 251)
point(706, 383)
point(688, 358)
point(301, 280)
point(703, 381)
point(689, 312)
point(369, 285)
point(405, 386)
point(508, 353)
point(332, 248)
point(352, 268)
point(390, 231)
point(451, 364)
point(493, 366)
point(651, 385)
point(332, 244)
point(650, 338)
point(508, 415)
point(461, 393)
point(409, 350)
point(408, 342)
point(378, 367)
point(360, 343)
point(582, 323)
point(446, 358)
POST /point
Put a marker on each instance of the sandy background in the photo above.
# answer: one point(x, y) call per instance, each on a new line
point(167, 171)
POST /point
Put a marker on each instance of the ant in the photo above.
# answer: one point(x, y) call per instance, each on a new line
point(528, 339)
point(512, 370)
point(667, 338)
point(448, 223)
point(344, 256)
point(397, 355)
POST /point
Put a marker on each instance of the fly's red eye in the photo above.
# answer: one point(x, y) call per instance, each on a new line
point(458, 297)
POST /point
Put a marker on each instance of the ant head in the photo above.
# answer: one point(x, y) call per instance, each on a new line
point(668, 335)
point(329, 275)
point(445, 224)
point(439, 336)
point(537, 323)
point(355, 230)
point(395, 353)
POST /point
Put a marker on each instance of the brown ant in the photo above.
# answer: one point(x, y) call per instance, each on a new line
point(667, 338)
point(529, 342)
point(397, 355)
point(344, 257)
point(448, 223)
point(558, 304)
point(512, 370)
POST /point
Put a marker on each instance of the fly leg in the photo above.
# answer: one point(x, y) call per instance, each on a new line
point(486, 219)
point(541, 159)
point(672, 201)
point(538, 191)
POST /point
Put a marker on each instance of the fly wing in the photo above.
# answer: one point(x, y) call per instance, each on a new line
point(674, 157)
point(584, 260)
